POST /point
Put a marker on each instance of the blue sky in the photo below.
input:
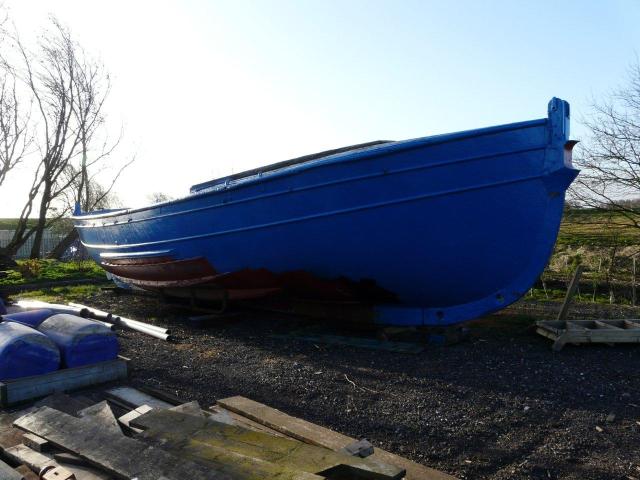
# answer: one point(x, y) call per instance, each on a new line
point(206, 88)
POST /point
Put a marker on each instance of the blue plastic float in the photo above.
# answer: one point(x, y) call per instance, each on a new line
point(30, 318)
point(81, 341)
point(25, 352)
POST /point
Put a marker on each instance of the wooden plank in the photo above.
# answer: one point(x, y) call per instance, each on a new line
point(601, 324)
point(28, 388)
point(135, 398)
point(573, 286)
point(316, 435)
point(190, 408)
point(572, 325)
point(630, 324)
point(63, 403)
point(171, 428)
point(546, 333)
point(8, 473)
point(125, 420)
point(35, 442)
point(26, 473)
point(101, 414)
point(237, 466)
point(36, 461)
point(223, 415)
point(117, 454)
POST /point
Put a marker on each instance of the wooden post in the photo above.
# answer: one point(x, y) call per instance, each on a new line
point(570, 292)
point(633, 282)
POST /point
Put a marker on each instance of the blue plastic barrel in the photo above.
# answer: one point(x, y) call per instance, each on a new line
point(25, 352)
point(30, 318)
point(81, 341)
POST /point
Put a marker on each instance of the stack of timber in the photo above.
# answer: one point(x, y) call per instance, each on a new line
point(136, 434)
point(589, 331)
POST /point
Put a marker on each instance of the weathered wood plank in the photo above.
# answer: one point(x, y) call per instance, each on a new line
point(26, 473)
point(173, 427)
point(223, 415)
point(316, 435)
point(600, 324)
point(63, 403)
point(190, 408)
point(8, 473)
point(36, 461)
point(35, 442)
point(28, 388)
point(125, 420)
point(573, 286)
point(117, 454)
point(135, 398)
point(237, 466)
point(101, 414)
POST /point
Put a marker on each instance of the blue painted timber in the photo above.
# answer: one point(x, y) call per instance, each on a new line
point(435, 230)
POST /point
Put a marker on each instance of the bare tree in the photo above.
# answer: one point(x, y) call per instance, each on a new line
point(86, 192)
point(15, 137)
point(610, 156)
point(69, 90)
point(159, 197)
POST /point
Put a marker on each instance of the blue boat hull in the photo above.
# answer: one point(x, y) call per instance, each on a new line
point(457, 225)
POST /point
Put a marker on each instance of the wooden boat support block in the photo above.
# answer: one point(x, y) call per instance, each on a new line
point(122, 456)
point(8, 473)
point(316, 435)
point(28, 388)
point(171, 428)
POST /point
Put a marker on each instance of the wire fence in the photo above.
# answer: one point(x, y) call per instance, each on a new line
point(49, 241)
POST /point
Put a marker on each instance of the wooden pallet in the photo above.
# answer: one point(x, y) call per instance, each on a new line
point(589, 331)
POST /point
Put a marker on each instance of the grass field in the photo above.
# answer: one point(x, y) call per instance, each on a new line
point(42, 271)
point(590, 228)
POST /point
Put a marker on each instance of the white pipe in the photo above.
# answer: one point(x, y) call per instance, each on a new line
point(141, 327)
point(37, 305)
point(127, 322)
point(135, 324)
point(99, 314)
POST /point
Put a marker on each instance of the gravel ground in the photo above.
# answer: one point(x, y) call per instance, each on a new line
point(499, 405)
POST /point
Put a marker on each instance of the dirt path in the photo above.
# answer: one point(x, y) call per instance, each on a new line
point(500, 405)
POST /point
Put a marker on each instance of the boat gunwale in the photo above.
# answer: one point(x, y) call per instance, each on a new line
point(344, 157)
point(304, 218)
point(320, 185)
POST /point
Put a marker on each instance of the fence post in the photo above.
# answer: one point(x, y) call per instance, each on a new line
point(633, 282)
